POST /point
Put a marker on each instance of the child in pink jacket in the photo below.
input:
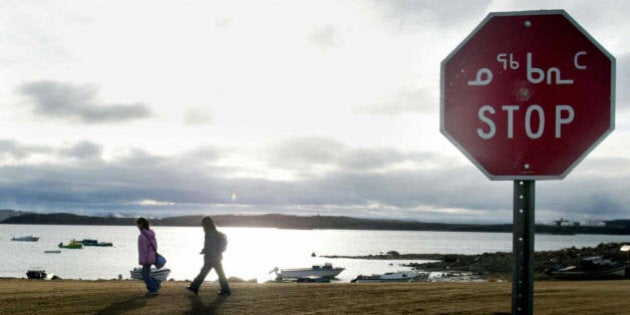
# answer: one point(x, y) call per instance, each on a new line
point(147, 248)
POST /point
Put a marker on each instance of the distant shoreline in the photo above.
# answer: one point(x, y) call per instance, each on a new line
point(294, 222)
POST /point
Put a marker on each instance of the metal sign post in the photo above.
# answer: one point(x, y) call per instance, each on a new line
point(523, 247)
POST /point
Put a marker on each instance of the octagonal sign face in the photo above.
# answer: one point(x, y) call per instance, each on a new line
point(527, 95)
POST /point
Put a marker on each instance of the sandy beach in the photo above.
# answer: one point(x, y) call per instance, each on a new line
point(20, 296)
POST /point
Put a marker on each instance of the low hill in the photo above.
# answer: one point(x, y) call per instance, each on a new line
point(303, 222)
point(267, 221)
point(66, 218)
point(8, 213)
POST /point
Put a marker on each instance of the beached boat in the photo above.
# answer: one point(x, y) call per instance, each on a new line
point(400, 276)
point(28, 238)
point(312, 280)
point(591, 268)
point(38, 273)
point(52, 251)
point(72, 245)
point(158, 274)
point(325, 271)
point(89, 242)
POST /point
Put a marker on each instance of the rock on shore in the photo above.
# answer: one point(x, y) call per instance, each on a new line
point(498, 265)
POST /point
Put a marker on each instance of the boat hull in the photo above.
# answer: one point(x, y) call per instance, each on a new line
point(157, 274)
point(25, 239)
point(582, 274)
point(39, 274)
point(89, 242)
point(392, 277)
point(307, 272)
point(71, 246)
point(594, 267)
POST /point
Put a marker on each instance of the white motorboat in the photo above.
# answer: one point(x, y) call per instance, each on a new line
point(400, 276)
point(157, 274)
point(316, 271)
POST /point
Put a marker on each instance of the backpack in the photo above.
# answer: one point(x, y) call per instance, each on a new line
point(222, 242)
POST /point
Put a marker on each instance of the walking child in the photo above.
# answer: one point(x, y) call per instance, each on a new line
point(147, 248)
point(215, 243)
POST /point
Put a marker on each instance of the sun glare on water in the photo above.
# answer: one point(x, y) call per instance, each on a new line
point(256, 251)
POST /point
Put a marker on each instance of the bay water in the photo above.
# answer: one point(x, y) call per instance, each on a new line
point(252, 252)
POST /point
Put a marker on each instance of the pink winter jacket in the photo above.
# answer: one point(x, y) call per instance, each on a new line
point(146, 252)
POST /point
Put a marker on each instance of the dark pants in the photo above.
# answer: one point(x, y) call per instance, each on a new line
point(208, 264)
point(152, 284)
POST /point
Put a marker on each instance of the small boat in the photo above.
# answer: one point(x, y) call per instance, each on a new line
point(158, 274)
point(52, 251)
point(591, 268)
point(72, 245)
point(89, 242)
point(400, 276)
point(312, 279)
point(38, 273)
point(28, 238)
point(325, 271)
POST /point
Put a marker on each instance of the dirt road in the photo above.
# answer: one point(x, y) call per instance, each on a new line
point(125, 296)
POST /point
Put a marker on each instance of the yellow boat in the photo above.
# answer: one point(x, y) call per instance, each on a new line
point(72, 245)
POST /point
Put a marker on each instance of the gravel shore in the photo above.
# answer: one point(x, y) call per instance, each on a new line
point(20, 296)
point(498, 265)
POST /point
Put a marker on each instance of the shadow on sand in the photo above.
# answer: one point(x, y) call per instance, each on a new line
point(125, 306)
point(198, 307)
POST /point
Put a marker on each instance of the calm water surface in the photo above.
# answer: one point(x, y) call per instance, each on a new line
point(252, 252)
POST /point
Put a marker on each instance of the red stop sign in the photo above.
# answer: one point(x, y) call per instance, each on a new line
point(527, 95)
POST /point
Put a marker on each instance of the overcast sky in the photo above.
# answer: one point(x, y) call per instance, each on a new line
point(166, 108)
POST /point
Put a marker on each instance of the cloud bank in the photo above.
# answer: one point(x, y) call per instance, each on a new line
point(80, 103)
point(356, 181)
